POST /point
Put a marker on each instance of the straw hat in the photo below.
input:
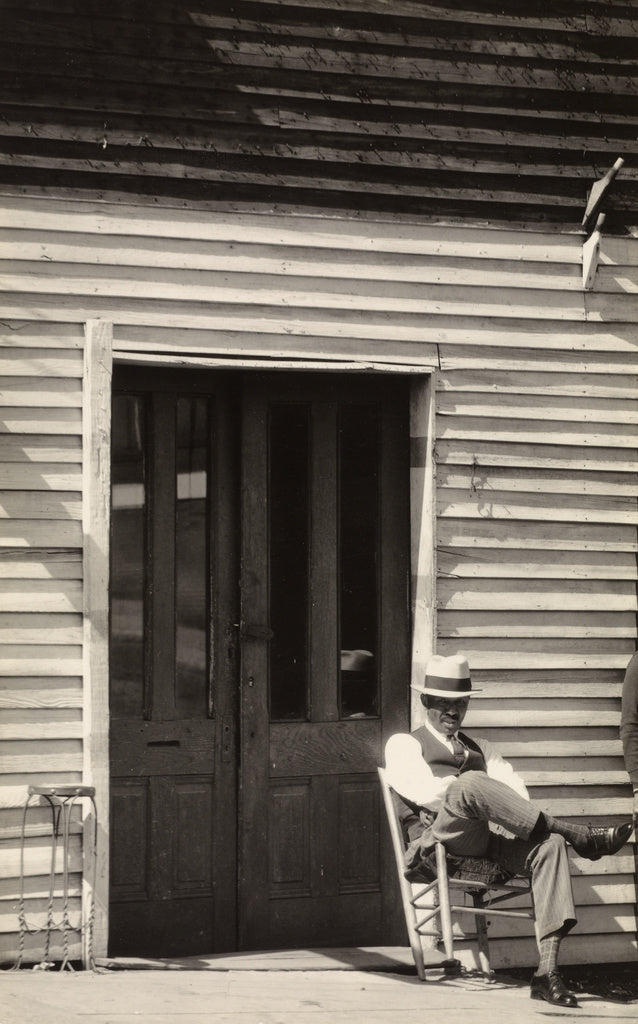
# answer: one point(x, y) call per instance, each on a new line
point(446, 677)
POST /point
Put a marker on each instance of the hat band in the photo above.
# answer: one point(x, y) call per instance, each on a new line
point(446, 685)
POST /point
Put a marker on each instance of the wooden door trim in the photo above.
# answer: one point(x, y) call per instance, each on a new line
point(97, 391)
point(423, 530)
point(96, 515)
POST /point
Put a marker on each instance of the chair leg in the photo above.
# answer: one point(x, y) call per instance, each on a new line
point(417, 955)
point(444, 901)
point(482, 941)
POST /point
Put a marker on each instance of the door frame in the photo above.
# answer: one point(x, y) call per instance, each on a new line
point(96, 445)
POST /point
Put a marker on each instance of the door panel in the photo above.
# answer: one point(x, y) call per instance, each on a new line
point(173, 707)
point(324, 654)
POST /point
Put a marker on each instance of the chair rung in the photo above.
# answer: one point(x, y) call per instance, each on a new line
point(424, 920)
point(487, 912)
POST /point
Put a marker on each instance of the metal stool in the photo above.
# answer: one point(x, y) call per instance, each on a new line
point(61, 800)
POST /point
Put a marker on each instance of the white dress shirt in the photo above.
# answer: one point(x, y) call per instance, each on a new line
point(411, 776)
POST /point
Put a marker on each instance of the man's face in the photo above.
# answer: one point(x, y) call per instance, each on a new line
point(445, 714)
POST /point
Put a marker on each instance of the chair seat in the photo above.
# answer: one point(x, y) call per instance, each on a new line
point(471, 869)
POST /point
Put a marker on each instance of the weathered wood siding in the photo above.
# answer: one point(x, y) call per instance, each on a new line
point(467, 109)
point(537, 512)
point(40, 605)
point(535, 410)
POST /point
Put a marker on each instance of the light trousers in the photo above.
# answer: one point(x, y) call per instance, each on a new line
point(472, 801)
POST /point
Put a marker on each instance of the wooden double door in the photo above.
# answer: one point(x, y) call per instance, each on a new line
point(259, 658)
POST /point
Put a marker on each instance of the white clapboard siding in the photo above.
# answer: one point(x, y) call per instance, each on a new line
point(49, 629)
point(516, 344)
point(40, 504)
point(484, 532)
point(42, 565)
point(43, 337)
point(576, 432)
point(546, 385)
point(510, 406)
point(32, 949)
point(584, 565)
point(617, 947)
point(53, 756)
point(469, 623)
point(38, 915)
point(38, 476)
point(518, 683)
point(38, 822)
point(40, 723)
point(55, 392)
point(21, 448)
point(536, 483)
point(44, 692)
point(40, 601)
point(534, 446)
point(543, 456)
point(145, 222)
point(550, 484)
point(41, 595)
point(534, 595)
point(63, 363)
point(489, 503)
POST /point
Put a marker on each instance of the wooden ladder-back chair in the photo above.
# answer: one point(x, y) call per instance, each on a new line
point(424, 903)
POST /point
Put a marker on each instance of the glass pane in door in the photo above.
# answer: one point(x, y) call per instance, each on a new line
point(358, 558)
point(191, 557)
point(128, 550)
point(288, 562)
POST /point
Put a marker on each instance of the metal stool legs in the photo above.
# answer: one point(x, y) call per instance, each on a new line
point(61, 800)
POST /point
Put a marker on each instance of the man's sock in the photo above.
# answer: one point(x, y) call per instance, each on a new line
point(572, 833)
point(548, 949)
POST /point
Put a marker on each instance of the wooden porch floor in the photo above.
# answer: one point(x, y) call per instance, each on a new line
point(394, 959)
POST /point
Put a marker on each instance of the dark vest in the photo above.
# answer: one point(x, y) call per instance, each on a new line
point(442, 762)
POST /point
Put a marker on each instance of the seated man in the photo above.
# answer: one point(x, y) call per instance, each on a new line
point(461, 792)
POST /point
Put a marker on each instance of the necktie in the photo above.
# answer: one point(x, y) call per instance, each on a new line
point(460, 751)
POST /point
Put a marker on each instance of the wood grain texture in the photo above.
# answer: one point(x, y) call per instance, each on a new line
point(429, 110)
point(96, 427)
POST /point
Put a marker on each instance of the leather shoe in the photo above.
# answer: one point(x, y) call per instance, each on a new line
point(550, 987)
point(602, 841)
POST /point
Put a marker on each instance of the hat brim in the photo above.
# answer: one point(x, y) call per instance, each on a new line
point(450, 694)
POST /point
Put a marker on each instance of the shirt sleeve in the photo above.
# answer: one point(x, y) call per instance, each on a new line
point(410, 775)
point(629, 721)
point(501, 770)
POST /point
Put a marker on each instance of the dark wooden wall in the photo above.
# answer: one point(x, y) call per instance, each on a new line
point(465, 108)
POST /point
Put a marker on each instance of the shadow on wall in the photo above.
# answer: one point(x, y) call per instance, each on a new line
point(413, 112)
